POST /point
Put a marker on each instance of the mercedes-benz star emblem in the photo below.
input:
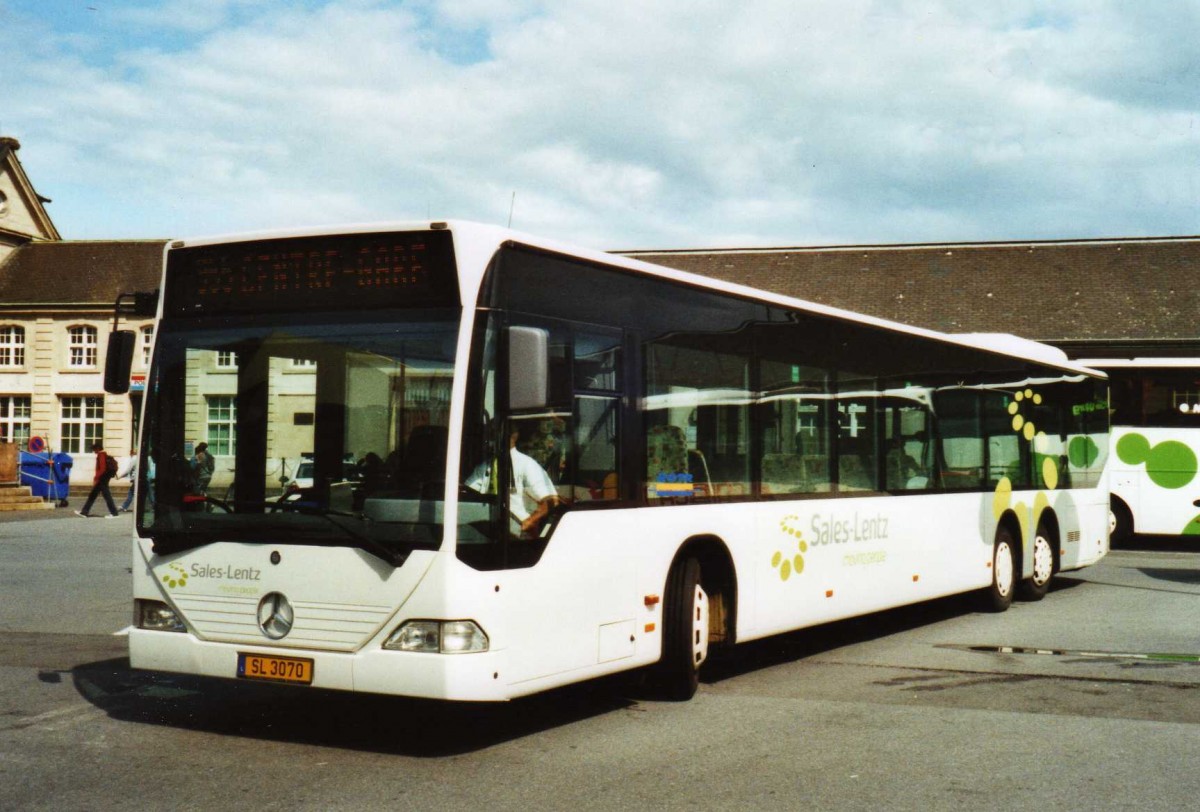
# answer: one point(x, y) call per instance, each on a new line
point(275, 615)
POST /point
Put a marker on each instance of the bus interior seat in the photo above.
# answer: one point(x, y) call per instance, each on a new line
point(424, 455)
point(784, 473)
point(853, 474)
point(666, 452)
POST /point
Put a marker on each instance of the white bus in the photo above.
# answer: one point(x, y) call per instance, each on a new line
point(566, 464)
point(1155, 446)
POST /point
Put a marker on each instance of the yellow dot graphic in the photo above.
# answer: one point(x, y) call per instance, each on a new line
point(1013, 407)
point(1002, 498)
point(1050, 473)
point(1018, 421)
point(1029, 431)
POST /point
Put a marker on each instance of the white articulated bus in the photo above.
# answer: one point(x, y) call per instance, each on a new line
point(533, 465)
point(1155, 445)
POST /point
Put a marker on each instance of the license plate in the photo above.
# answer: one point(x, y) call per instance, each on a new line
point(275, 669)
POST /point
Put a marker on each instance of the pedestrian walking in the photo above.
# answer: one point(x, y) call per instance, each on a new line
point(106, 469)
point(129, 471)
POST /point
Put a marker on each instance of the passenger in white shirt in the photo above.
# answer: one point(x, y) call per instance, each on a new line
point(531, 491)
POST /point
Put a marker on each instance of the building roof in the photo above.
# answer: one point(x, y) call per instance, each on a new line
point(80, 272)
point(1108, 291)
point(32, 222)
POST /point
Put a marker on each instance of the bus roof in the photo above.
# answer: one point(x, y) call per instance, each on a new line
point(1139, 363)
point(492, 237)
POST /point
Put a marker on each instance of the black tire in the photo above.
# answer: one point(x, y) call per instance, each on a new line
point(1035, 587)
point(1120, 523)
point(685, 634)
point(999, 595)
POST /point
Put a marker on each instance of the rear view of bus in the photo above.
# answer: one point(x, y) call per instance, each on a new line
point(331, 357)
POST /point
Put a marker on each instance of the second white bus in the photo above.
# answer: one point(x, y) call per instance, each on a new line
point(1155, 446)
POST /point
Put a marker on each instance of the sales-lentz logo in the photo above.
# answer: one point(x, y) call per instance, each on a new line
point(177, 577)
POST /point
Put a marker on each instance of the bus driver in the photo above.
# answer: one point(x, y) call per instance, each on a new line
point(531, 491)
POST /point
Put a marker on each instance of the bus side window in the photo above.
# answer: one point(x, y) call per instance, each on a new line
point(908, 455)
point(857, 442)
point(961, 440)
point(697, 417)
point(793, 418)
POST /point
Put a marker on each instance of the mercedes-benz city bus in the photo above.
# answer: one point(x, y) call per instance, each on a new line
point(533, 465)
point(1155, 446)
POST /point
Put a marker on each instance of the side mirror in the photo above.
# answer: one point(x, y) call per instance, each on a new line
point(118, 361)
point(528, 368)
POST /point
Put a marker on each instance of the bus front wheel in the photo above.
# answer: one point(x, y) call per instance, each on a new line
point(1004, 571)
point(685, 633)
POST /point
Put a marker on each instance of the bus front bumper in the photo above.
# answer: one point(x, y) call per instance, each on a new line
point(474, 677)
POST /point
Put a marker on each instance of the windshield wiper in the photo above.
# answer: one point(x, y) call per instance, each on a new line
point(362, 540)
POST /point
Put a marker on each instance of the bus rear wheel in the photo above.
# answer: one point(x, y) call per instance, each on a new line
point(685, 634)
point(999, 595)
point(1035, 587)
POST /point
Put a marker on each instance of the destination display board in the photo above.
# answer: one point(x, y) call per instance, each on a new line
point(327, 272)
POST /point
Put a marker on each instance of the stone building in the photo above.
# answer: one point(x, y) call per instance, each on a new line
point(56, 306)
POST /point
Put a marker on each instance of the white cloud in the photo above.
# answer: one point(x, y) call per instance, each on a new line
point(670, 124)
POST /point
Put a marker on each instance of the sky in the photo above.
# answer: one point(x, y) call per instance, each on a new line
point(614, 125)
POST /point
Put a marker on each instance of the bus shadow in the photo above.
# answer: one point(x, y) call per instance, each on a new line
point(366, 722)
point(1161, 544)
point(433, 729)
point(804, 643)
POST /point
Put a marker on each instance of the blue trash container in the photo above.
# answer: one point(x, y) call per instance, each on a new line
point(35, 472)
point(60, 476)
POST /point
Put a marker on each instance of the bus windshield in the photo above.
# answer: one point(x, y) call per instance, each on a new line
point(330, 431)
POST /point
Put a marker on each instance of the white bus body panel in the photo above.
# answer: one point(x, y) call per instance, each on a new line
point(1161, 489)
point(593, 604)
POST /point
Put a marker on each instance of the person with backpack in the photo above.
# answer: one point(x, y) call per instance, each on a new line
point(106, 469)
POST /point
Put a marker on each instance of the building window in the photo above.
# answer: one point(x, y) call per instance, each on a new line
point(14, 419)
point(147, 343)
point(82, 423)
point(82, 347)
point(302, 363)
point(227, 360)
point(222, 424)
point(12, 346)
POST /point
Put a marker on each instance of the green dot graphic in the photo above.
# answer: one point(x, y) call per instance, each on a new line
point(1083, 452)
point(1171, 464)
point(1133, 449)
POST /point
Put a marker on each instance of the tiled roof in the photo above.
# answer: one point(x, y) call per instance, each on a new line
point(1141, 289)
point(80, 272)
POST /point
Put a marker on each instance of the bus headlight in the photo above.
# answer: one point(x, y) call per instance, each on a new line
point(156, 616)
point(438, 637)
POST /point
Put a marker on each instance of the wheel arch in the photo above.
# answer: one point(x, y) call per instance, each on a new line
point(1049, 522)
point(1010, 521)
point(718, 578)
